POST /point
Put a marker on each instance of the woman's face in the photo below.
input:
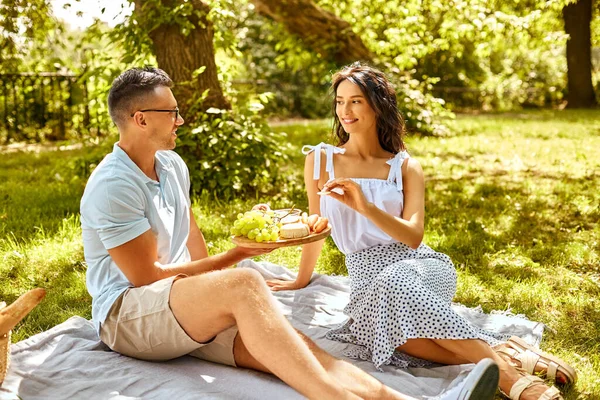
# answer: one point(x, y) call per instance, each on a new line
point(353, 109)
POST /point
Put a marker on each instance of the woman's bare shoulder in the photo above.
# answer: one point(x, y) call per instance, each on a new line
point(412, 167)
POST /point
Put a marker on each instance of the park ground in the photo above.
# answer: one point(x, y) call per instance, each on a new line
point(513, 199)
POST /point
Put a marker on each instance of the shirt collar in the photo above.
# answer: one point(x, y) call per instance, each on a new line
point(160, 166)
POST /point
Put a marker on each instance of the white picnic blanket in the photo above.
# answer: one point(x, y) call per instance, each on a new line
point(69, 361)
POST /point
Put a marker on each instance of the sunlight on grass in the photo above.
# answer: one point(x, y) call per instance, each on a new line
point(512, 198)
point(54, 262)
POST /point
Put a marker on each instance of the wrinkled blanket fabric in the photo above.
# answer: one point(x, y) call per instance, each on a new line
point(69, 361)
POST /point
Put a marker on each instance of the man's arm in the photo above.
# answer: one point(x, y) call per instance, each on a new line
point(138, 260)
point(196, 243)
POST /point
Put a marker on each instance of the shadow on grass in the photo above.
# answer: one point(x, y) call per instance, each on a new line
point(460, 210)
point(66, 296)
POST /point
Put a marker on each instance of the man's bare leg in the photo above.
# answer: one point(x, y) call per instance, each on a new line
point(207, 304)
point(349, 376)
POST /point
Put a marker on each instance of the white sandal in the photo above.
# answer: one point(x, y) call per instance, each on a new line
point(527, 381)
point(529, 356)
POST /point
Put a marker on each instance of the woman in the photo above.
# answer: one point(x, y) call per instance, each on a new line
point(373, 194)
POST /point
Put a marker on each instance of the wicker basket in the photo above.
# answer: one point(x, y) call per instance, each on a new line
point(4, 355)
point(9, 317)
point(4, 351)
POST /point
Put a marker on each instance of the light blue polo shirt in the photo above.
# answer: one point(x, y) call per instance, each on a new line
point(120, 203)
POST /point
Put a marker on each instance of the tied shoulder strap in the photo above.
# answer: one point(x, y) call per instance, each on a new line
point(329, 152)
point(396, 168)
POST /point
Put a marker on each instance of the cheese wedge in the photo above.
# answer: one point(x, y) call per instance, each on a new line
point(290, 219)
point(294, 231)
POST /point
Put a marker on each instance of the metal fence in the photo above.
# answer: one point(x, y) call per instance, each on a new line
point(47, 106)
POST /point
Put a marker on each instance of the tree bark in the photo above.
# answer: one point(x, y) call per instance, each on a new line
point(577, 18)
point(179, 56)
point(320, 30)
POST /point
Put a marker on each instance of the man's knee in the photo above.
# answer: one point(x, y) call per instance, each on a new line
point(222, 286)
point(229, 288)
point(244, 280)
point(245, 277)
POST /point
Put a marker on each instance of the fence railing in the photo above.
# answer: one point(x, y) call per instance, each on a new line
point(46, 106)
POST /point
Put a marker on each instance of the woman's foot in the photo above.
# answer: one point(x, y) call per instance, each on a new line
point(536, 365)
point(529, 387)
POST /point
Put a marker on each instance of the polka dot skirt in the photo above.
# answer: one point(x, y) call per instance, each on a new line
point(398, 293)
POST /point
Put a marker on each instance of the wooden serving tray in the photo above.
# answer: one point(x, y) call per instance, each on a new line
point(245, 242)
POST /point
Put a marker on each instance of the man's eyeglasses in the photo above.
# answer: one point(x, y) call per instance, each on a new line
point(176, 111)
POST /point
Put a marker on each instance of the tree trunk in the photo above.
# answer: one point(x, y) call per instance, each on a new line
point(179, 56)
point(577, 18)
point(320, 30)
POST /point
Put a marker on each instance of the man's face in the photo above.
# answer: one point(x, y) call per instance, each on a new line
point(162, 126)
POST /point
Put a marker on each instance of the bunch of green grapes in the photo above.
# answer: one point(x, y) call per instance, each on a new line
point(261, 226)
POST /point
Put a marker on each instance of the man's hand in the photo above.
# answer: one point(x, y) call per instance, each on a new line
point(247, 252)
point(277, 284)
point(212, 263)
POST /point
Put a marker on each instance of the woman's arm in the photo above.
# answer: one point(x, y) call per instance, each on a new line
point(410, 227)
point(311, 251)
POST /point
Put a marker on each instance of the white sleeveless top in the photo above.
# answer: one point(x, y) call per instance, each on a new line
point(351, 231)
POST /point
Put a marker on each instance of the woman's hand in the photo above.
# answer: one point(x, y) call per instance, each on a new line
point(353, 195)
point(278, 284)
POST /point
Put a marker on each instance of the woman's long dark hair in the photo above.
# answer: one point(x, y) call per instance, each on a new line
point(381, 96)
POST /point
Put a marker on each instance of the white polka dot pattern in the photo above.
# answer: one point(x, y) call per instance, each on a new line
point(398, 293)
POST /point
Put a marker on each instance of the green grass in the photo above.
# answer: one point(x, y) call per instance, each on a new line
point(511, 198)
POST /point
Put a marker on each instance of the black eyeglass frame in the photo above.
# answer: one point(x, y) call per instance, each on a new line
point(176, 111)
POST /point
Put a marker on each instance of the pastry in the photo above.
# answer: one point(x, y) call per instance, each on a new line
point(321, 224)
point(261, 207)
point(312, 220)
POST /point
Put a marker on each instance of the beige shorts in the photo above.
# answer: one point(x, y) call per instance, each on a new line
point(141, 325)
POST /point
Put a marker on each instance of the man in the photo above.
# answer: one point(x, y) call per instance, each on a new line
point(158, 295)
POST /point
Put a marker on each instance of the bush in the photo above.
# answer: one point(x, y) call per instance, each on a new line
point(232, 153)
point(423, 113)
point(229, 154)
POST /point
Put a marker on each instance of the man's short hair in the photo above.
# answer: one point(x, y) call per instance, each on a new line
point(130, 88)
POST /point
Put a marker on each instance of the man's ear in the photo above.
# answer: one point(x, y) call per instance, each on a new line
point(139, 119)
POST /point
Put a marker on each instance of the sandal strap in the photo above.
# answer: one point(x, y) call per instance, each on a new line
point(523, 383)
point(552, 369)
point(508, 351)
point(553, 363)
point(529, 360)
point(551, 393)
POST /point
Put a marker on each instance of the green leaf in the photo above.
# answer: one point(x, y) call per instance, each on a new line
point(198, 71)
